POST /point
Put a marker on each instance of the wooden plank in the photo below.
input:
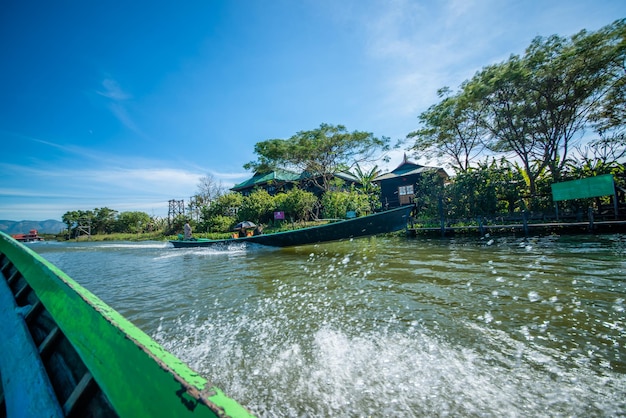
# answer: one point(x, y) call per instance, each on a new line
point(137, 376)
point(27, 389)
point(82, 387)
point(47, 344)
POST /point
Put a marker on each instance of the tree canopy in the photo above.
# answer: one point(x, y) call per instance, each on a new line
point(537, 106)
point(451, 129)
point(320, 152)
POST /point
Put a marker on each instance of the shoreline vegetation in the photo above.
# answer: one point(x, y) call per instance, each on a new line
point(163, 236)
point(549, 116)
point(479, 228)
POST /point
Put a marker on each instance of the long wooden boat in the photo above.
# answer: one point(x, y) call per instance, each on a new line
point(377, 223)
point(64, 352)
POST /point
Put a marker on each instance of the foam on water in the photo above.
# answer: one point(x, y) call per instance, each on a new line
point(385, 327)
point(320, 345)
point(232, 249)
point(133, 245)
point(333, 372)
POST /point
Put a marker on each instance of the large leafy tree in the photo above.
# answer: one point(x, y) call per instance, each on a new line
point(320, 152)
point(610, 113)
point(73, 219)
point(104, 220)
point(132, 222)
point(539, 104)
point(451, 129)
point(503, 89)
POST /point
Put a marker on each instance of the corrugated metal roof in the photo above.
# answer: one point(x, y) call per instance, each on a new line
point(258, 179)
point(406, 168)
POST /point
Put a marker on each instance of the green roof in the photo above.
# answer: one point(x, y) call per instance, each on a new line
point(264, 178)
point(408, 168)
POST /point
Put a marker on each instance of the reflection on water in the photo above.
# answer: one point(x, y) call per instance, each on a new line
point(383, 326)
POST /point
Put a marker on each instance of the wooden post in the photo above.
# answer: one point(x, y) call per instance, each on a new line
point(525, 222)
point(441, 217)
point(556, 209)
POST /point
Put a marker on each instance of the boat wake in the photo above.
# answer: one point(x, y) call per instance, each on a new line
point(384, 373)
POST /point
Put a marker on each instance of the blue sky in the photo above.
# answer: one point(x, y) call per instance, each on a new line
point(127, 104)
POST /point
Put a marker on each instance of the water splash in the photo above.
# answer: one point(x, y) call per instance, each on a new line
point(385, 327)
point(345, 338)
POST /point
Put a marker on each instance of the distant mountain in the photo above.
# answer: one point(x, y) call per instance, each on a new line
point(43, 227)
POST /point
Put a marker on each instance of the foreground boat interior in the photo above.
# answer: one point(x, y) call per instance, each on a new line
point(65, 353)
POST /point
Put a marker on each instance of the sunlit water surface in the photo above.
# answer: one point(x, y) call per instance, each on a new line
point(384, 326)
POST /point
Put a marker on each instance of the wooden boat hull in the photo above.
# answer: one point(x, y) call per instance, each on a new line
point(64, 352)
point(378, 223)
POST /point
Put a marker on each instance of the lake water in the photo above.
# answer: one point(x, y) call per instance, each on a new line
point(383, 326)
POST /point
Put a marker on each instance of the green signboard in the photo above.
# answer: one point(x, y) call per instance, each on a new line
point(584, 188)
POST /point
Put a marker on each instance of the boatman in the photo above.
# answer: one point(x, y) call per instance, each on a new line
point(187, 231)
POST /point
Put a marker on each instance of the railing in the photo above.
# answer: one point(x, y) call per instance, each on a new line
point(597, 220)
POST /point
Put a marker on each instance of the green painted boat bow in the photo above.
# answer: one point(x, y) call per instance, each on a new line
point(136, 374)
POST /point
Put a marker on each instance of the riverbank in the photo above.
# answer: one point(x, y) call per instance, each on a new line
point(146, 236)
point(161, 236)
point(616, 227)
point(524, 229)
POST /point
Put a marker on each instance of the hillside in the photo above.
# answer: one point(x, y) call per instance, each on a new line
point(49, 226)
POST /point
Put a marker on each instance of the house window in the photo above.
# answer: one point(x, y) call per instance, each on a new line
point(406, 194)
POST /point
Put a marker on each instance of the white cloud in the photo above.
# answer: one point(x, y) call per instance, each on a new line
point(118, 104)
point(113, 91)
point(89, 180)
point(8, 192)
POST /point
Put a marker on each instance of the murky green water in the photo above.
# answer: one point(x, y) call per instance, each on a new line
point(384, 326)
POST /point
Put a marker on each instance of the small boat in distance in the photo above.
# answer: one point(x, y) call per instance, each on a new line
point(32, 236)
point(378, 223)
point(65, 353)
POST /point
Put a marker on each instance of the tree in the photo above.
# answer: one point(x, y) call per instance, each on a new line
point(209, 189)
point(336, 204)
point(70, 218)
point(539, 104)
point(502, 88)
point(320, 153)
point(367, 185)
point(429, 189)
point(257, 207)
point(297, 203)
point(452, 129)
point(222, 213)
point(610, 113)
point(104, 220)
point(76, 218)
point(132, 222)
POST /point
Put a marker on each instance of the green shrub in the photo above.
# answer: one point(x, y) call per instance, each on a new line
point(336, 204)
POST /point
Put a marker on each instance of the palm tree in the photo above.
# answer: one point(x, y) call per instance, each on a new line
point(368, 187)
